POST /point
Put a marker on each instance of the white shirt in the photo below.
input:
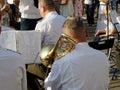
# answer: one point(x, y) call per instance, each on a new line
point(50, 28)
point(89, 2)
point(102, 8)
point(28, 10)
point(12, 71)
point(102, 19)
point(82, 69)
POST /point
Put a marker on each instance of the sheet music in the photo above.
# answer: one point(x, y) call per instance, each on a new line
point(8, 40)
point(28, 44)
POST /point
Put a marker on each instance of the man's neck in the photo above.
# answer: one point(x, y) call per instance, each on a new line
point(48, 11)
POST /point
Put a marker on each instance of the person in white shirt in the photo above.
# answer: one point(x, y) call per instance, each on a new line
point(84, 68)
point(104, 24)
point(107, 31)
point(29, 14)
point(51, 25)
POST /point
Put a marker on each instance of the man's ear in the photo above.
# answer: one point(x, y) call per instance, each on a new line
point(44, 9)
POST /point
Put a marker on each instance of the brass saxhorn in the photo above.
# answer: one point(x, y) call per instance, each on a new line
point(50, 52)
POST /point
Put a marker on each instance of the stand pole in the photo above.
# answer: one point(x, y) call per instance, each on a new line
point(107, 9)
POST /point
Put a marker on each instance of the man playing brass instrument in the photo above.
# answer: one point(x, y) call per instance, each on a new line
point(84, 68)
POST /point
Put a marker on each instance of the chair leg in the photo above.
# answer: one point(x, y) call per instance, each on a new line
point(109, 52)
point(114, 76)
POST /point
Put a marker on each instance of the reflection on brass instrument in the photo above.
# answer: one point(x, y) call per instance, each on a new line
point(50, 52)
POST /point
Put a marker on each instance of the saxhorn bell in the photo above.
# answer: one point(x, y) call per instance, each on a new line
point(50, 52)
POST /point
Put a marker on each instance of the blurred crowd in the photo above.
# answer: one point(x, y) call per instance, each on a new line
point(24, 14)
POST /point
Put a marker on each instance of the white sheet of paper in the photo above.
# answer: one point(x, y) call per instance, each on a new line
point(8, 40)
point(28, 44)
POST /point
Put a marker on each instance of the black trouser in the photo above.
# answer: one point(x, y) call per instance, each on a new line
point(90, 13)
point(28, 24)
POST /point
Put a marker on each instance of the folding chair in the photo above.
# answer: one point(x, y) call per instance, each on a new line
point(117, 59)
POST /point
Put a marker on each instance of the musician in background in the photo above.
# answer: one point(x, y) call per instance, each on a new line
point(102, 15)
point(107, 31)
point(51, 25)
point(104, 24)
point(84, 68)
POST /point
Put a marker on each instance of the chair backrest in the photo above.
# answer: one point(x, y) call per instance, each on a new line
point(117, 61)
point(117, 53)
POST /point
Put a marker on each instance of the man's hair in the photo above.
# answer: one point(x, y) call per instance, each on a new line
point(73, 23)
point(49, 4)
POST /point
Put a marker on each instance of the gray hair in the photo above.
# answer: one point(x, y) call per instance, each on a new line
point(73, 23)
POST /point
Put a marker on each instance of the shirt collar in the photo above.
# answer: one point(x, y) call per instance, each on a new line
point(50, 13)
point(83, 44)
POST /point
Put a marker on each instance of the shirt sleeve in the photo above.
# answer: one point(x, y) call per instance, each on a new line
point(52, 82)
